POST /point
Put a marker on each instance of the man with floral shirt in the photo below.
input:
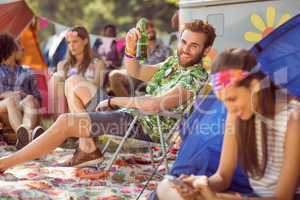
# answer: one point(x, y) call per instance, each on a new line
point(171, 85)
point(170, 75)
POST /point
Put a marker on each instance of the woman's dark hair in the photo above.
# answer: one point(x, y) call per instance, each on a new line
point(7, 46)
point(87, 52)
point(246, 137)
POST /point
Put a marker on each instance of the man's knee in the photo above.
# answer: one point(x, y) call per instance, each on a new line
point(11, 101)
point(30, 101)
point(65, 119)
point(117, 76)
point(62, 118)
point(73, 125)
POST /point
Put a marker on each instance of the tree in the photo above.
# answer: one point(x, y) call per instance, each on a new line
point(94, 14)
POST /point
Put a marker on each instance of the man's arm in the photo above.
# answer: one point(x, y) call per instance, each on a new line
point(172, 99)
point(134, 69)
point(141, 72)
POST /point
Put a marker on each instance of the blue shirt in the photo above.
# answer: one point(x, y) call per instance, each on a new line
point(20, 79)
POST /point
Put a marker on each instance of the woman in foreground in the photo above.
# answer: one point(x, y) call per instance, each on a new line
point(262, 133)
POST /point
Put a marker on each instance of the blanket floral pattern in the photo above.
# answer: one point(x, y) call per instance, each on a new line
point(46, 179)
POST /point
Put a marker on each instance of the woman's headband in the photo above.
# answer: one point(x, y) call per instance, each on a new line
point(230, 77)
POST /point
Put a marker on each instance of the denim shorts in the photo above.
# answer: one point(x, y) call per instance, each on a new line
point(115, 123)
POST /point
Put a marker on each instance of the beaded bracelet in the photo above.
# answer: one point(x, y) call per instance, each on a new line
point(128, 55)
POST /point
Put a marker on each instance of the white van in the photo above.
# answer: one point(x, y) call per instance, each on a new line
point(239, 23)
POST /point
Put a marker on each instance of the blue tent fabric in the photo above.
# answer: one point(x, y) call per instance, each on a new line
point(202, 137)
point(279, 55)
point(55, 50)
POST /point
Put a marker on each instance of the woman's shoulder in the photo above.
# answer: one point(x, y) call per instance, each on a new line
point(62, 66)
point(294, 103)
point(288, 112)
point(294, 109)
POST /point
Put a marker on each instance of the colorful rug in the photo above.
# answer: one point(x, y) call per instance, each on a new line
point(46, 179)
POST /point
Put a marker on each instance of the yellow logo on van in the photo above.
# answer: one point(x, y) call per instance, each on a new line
point(265, 28)
point(207, 60)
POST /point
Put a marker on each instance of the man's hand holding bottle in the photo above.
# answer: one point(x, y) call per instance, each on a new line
point(131, 39)
point(137, 41)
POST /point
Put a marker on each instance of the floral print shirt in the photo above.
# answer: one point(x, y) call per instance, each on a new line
point(169, 76)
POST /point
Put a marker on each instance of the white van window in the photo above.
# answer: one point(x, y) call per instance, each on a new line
point(217, 21)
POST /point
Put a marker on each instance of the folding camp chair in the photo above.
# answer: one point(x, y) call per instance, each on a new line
point(163, 144)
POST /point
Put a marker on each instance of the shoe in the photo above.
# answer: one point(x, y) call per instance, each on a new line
point(37, 132)
point(82, 159)
point(23, 137)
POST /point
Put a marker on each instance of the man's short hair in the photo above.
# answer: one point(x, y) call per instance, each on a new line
point(7, 46)
point(112, 26)
point(200, 26)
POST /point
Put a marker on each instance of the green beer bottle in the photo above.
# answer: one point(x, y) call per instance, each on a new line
point(141, 45)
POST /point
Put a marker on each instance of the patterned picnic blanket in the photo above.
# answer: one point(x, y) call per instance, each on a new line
point(45, 179)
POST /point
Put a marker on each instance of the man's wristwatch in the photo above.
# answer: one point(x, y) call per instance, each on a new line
point(109, 104)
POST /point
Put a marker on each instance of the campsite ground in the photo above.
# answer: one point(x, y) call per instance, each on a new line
point(46, 178)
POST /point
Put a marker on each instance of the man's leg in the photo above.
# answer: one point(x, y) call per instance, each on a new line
point(119, 82)
point(82, 125)
point(124, 85)
point(79, 93)
point(10, 108)
point(115, 123)
point(67, 125)
point(30, 106)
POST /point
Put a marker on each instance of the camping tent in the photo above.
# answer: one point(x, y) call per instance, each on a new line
point(32, 55)
point(16, 18)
